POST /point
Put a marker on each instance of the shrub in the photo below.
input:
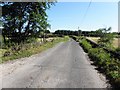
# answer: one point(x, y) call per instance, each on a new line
point(99, 56)
point(118, 50)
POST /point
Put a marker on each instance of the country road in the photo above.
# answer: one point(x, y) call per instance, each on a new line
point(63, 66)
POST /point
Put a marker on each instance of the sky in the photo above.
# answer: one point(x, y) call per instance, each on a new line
point(71, 15)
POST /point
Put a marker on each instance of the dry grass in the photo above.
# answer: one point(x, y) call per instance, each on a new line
point(115, 42)
point(30, 49)
point(95, 39)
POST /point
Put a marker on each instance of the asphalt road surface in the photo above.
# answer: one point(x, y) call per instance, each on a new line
point(63, 66)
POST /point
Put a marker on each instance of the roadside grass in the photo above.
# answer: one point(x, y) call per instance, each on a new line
point(105, 63)
point(31, 49)
point(95, 39)
point(1, 53)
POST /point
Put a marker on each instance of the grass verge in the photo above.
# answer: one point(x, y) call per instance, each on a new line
point(30, 49)
point(107, 65)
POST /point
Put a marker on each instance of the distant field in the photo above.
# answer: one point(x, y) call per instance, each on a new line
point(95, 39)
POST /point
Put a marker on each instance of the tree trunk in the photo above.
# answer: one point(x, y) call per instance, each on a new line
point(4, 38)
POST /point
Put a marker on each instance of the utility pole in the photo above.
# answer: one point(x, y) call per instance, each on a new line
point(78, 32)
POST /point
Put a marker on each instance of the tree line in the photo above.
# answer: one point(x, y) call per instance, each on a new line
point(97, 33)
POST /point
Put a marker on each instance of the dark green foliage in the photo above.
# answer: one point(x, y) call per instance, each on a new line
point(22, 20)
point(118, 50)
point(67, 32)
point(97, 33)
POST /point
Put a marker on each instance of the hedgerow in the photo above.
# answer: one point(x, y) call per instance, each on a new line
point(109, 66)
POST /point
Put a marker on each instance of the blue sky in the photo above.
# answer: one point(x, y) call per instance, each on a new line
point(69, 15)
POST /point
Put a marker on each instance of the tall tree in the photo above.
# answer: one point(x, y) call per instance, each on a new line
point(23, 19)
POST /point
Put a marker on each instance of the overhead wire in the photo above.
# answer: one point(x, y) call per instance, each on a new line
point(86, 12)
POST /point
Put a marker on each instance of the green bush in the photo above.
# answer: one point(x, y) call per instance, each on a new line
point(118, 50)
